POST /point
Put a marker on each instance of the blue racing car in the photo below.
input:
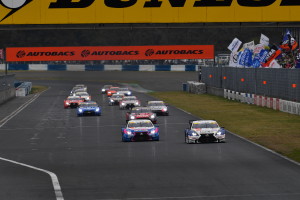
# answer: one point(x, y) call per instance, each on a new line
point(140, 130)
point(88, 108)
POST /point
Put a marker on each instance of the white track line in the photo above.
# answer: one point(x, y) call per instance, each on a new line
point(212, 196)
point(265, 148)
point(22, 107)
point(56, 186)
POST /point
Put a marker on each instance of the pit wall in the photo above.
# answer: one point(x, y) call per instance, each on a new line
point(67, 67)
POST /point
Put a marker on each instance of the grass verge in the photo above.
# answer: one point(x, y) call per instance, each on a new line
point(275, 130)
point(37, 89)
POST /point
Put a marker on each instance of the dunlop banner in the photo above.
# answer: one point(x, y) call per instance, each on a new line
point(110, 53)
point(146, 11)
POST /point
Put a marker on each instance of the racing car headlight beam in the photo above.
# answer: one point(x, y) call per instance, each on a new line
point(132, 117)
point(128, 93)
point(152, 116)
point(97, 109)
point(80, 110)
point(153, 132)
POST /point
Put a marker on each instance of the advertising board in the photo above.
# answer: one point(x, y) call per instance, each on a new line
point(110, 53)
point(146, 11)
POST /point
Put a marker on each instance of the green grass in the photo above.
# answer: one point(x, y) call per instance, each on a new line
point(276, 130)
point(37, 89)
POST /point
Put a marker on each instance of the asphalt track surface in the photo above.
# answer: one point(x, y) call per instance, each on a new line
point(91, 162)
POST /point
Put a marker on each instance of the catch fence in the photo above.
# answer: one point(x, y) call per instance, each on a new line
point(277, 83)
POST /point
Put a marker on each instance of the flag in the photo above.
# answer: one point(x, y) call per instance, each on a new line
point(264, 40)
point(258, 48)
point(273, 53)
point(288, 42)
point(298, 59)
point(260, 58)
point(249, 45)
point(246, 58)
point(274, 64)
point(233, 61)
point(235, 45)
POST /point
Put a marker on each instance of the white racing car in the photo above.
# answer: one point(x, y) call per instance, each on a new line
point(115, 99)
point(204, 131)
point(129, 102)
point(158, 107)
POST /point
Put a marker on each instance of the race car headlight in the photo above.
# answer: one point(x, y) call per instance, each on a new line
point(132, 117)
point(111, 100)
point(97, 109)
point(123, 104)
point(194, 134)
point(136, 103)
point(67, 103)
point(153, 132)
point(80, 110)
point(164, 109)
point(88, 98)
point(152, 116)
point(103, 90)
point(128, 132)
point(128, 93)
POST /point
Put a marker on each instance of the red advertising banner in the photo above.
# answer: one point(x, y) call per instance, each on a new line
point(169, 52)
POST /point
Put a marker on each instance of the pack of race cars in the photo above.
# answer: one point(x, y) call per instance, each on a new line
point(140, 119)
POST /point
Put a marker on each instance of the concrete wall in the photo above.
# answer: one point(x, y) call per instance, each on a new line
point(7, 94)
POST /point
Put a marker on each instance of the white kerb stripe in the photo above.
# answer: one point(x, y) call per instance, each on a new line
point(55, 183)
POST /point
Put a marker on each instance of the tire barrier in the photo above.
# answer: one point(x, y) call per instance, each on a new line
point(24, 89)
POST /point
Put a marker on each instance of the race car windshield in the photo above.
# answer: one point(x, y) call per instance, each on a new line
point(205, 125)
point(139, 124)
point(117, 96)
point(88, 105)
point(82, 94)
point(156, 104)
point(141, 110)
point(74, 98)
point(123, 89)
point(130, 98)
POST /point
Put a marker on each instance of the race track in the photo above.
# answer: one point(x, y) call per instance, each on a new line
point(91, 162)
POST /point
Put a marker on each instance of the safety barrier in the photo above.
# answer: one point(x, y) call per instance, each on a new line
point(67, 67)
point(194, 87)
point(24, 89)
point(263, 101)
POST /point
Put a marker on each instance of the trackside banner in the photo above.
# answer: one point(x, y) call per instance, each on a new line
point(146, 11)
point(110, 53)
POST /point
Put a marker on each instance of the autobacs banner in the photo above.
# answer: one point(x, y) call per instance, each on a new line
point(110, 53)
